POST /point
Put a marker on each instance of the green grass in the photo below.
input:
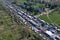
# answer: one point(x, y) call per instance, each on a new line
point(55, 16)
point(44, 17)
point(5, 25)
point(38, 5)
point(21, 1)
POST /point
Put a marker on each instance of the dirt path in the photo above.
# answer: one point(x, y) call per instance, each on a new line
point(47, 13)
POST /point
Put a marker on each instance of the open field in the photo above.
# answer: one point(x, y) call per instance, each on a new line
point(44, 17)
point(54, 17)
point(8, 28)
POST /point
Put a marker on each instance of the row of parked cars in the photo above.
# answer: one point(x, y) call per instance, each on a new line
point(29, 8)
point(37, 29)
point(51, 35)
point(48, 32)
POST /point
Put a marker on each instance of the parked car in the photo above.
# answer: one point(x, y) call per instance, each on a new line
point(37, 9)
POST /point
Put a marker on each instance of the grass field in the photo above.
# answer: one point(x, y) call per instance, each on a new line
point(44, 17)
point(8, 28)
point(54, 16)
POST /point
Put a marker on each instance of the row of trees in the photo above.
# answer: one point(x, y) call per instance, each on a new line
point(52, 2)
